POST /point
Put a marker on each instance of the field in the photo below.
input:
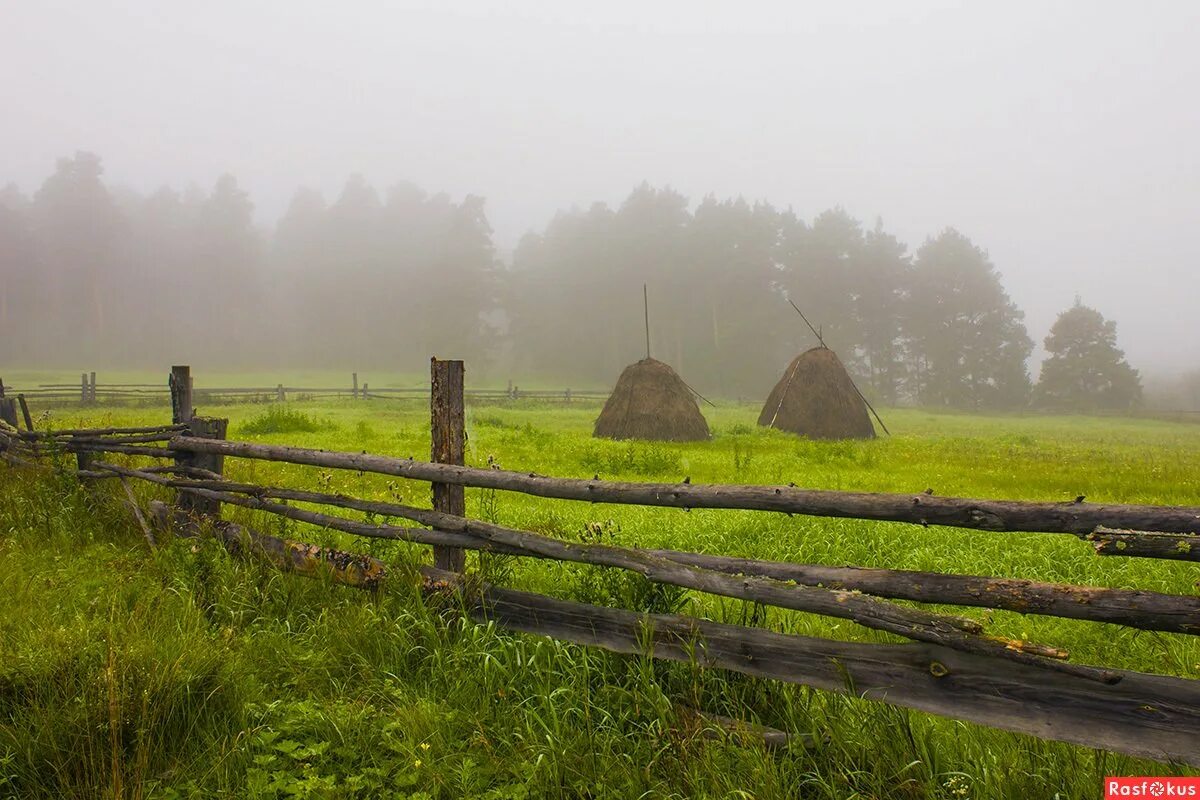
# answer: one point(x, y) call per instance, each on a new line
point(185, 673)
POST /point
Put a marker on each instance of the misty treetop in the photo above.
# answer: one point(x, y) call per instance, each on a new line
point(1085, 369)
point(92, 274)
point(937, 329)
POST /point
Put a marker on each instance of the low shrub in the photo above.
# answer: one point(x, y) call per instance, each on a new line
point(281, 419)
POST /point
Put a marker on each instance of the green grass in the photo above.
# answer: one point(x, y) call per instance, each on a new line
point(212, 677)
point(280, 419)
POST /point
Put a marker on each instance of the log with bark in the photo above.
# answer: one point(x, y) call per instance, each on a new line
point(954, 632)
point(992, 515)
point(1145, 544)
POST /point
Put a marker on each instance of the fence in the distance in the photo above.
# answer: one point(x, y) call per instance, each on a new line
point(89, 392)
point(952, 666)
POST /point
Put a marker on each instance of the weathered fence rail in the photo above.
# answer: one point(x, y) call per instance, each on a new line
point(954, 667)
point(88, 392)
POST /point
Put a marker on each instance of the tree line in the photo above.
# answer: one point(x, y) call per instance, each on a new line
point(99, 274)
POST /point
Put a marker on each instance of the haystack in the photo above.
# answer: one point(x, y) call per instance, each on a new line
point(816, 398)
point(651, 401)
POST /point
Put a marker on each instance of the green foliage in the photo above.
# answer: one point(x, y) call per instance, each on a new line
point(967, 337)
point(617, 588)
point(630, 458)
point(1086, 371)
point(283, 419)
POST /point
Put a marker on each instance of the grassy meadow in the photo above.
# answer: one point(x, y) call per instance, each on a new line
point(126, 672)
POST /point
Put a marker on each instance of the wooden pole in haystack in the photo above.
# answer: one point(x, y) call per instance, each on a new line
point(861, 396)
point(646, 308)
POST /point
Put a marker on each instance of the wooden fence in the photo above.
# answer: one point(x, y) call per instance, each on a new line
point(89, 392)
point(952, 666)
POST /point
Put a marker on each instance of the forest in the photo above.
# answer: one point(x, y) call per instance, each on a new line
point(93, 272)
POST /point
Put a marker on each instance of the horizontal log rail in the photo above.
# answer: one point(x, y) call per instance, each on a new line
point(1142, 715)
point(95, 432)
point(953, 632)
point(125, 449)
point(114, 391)
point(129, 438)
point(1076, 518)
point(1132, 608)
point(1144, 544)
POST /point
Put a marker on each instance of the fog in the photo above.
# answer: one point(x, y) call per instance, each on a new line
point(1062, 139)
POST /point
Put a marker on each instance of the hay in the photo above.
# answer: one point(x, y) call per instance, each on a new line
point(650, 401)
point(816, 398)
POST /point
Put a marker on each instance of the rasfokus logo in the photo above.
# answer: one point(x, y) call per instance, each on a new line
point(1151, 787)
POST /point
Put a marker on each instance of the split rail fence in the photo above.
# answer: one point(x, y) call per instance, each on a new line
point(88, 392)
point(952, 666)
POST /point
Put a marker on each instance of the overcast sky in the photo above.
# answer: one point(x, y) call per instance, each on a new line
point(1064, 138)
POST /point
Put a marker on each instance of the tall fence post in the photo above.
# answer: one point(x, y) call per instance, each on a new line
point(183, 413)
point(354, 387)
point(449, 446)
point(181, 394)
point(92, 388)
point(83, 388)
point(279, 395)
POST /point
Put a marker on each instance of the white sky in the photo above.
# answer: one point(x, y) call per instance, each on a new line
point(1063, 137)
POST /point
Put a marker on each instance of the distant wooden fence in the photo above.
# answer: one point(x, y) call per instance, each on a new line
point(953, 667)
point(89, 392)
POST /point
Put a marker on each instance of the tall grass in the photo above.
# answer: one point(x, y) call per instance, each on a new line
point(185, 673)
point(279, 419)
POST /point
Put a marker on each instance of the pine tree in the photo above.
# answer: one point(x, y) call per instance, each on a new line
point(967, 337)
point(1085, 369)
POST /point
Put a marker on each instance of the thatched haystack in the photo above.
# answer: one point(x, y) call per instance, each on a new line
point(816, 398)
point(651, 401)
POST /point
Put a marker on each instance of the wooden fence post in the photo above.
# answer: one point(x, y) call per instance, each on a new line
point(354, 388)
point(449, 444)
point(279, 395)
point(25, 412)
point(364, 391)
point(92, 388)
point(83, 388)
point(203, 428)
point(182, 413)
point(8, 410)
point(181, 394)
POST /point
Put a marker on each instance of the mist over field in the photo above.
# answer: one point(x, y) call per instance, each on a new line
point(548, 399)
point(265, 185)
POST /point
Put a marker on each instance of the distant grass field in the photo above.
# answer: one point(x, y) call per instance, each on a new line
point(184, 673)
